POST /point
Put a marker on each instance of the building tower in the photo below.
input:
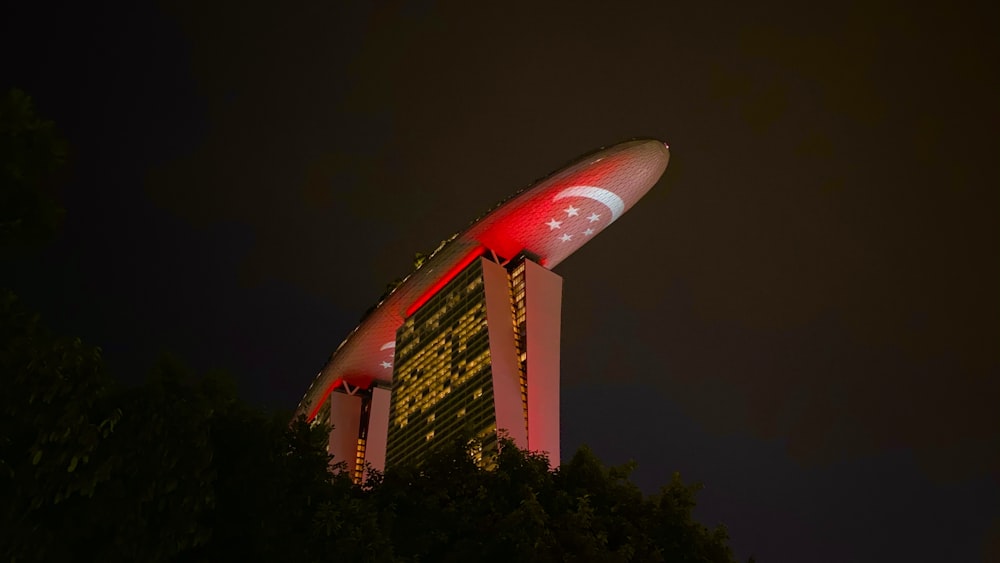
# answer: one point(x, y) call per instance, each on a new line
point(468, 344)
point(463, 366)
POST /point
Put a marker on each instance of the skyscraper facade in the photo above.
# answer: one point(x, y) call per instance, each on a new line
point(468, 344)
point(463, 368)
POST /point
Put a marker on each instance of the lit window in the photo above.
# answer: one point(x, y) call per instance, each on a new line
point(429, 435)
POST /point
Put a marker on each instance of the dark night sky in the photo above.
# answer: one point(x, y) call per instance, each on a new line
point(804, 314)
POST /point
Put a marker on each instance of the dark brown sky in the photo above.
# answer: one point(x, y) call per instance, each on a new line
point(804, 313)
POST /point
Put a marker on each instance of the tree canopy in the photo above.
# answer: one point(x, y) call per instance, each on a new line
point(181, 469)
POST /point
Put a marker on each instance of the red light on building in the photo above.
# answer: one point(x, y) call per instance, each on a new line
point(443, 280)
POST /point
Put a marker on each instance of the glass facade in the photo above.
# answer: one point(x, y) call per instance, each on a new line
point(442, 382)
point(359, 454)
point(446, 384)
point(518, 312)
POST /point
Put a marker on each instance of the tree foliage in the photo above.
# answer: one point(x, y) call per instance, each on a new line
point(54, 419)
point(450, 509)
point(31, 154)
point(181, 469)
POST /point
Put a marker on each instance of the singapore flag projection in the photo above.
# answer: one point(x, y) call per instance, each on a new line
point(485, 309)
point(586, 225)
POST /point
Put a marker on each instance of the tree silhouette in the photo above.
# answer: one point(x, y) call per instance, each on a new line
point(31, 155)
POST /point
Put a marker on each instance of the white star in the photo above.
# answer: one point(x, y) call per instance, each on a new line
point(566, 238)
point(387, 365)
point(594, 217)
point(588, 232)
point(553, 224)
point(571, 211)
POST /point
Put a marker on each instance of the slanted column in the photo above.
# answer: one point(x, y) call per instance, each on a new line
point(543, 309)
point(345, 417)
point(503, 354)
point(378, 428)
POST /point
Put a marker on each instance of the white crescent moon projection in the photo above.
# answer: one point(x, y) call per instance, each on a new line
point(600, 195)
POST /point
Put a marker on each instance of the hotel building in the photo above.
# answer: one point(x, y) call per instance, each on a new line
point(468, 344)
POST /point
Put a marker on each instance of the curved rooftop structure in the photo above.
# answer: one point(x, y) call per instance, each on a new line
point(549, 220)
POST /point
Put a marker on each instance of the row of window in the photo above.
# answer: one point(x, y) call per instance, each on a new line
point(442, 359)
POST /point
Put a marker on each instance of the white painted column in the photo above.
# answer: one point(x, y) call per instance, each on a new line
point(345, 417)
point(503, 354)
point(543, 309)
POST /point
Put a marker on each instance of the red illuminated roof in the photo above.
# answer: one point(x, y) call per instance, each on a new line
point(551, 220)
